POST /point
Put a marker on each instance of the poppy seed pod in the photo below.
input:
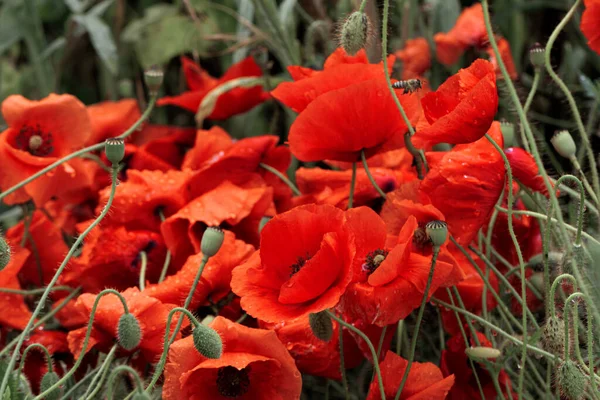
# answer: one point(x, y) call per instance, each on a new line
point(571, 380)
point(483, 353)
point(564, 144)
point(153, 77)
point(536, 55)
point(49, 379)
point(207, 341)
point(129, 333)
point(321, 325)
point(4, 253)
point(437, 231)
point(508, 133)
point(553, 335)
point(211, 241)
point(115, 150)
point(355, 32)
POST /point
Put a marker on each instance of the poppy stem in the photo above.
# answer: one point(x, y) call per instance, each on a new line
point(99, 377)
point(144, 261)
point(36, 291)
point(352, 186)
point(415, 335)
point(342, 362)
point(282, 177)
point(138, 381)
point(61, 268)
point(43, 349)
point(534, 86)
point(363, 4)
point(552, 293)
point(586, 183)
point(165, 268)
point(369, 344)
point(375, 185)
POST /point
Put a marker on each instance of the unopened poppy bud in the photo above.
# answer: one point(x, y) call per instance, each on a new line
point(508, 133)
point(207, 341)
point(153, 77)
point(48, 380)
point(537, 55)
point(553, 335)
point(564, 144)
point(211, 241)
point(437, 231)
point(115, 150)
point(129, 333)
point(571, 380)
point(483, 353)
point(4, 253)
point(321, 325)
point(141, 396)
point(355, 32)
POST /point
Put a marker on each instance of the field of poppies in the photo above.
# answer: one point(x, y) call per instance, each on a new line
point(299, 199)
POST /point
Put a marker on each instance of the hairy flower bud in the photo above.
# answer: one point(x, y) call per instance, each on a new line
point(321, 325)
point(207, 341)
point(355, 32)
point(564, 144)
point(571, 380)
point(553, 335)
point(536, 55)
point(4, 253)
point(153, 77)
point(437, 231)
point(211, 241)
point(129, 333)
point(115, 150)
point(49, 379)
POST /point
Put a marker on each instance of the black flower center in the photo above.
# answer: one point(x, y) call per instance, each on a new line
point(34, 140)
point(297, 266)
point(373, 260)
point(233, 382)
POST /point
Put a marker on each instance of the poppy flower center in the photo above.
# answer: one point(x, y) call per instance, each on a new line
point(373, 260)
point(34, 140)
point(297, 266)
point(233, 382)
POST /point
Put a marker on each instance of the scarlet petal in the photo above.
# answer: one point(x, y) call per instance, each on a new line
point(524, 169)
point(112, 118)
point(14, 312)
point(416, 58)
point(589, 24)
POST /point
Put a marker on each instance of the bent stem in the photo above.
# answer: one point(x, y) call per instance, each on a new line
point(43, 349)
point(126, 368)
point(371, 179)
point(369, 344)
point(282, 177)
point(144, 261)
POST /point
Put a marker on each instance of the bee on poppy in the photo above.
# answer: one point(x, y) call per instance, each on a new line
point(409, 85)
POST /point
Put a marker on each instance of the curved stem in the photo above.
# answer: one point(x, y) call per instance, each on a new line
point(47, 356)
point(586, 183)
point(138, 381)
point(57, 274)
point(282, 177)
point(352, 186)
point(371, 179)
point(566, 308)
point(144, 261)
point(101, 375)
point(415, 335)
point(553, 290)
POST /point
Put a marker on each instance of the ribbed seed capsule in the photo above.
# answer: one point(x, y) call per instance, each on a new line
point(321, 325)
point(212, 239)
point(129, 333)
point(563, 143)
point(437, 231)
point(115, 150)
point(48, 380)
point(153, 77)
point(207, 341)
point(537, 55)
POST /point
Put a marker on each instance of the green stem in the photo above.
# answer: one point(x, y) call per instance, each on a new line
point(399, 331)
point(528, 101)
point(43, 349)
point(352, 186)
point(35, 291)
point(76, 386)
point(381, 338)
point(144, 261)
point(586, 183)
point(369, 344)
point(553, 290)
point(282, 177)
point(100, 376)
point(362, 6)
point(371, 179)
point(415, 335)
point(165, 268)
point(126, 368)
point(342, 362)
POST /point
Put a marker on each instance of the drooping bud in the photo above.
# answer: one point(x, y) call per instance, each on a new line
point(508, 133)
point(437, 231)
point(564, 144)
point(355, 32)
point(553, 335)
point(321, 325)
point(115, 150)
point(141, 396)
point(483, 353)
point(571, 380)
point(207, 341)
point(48, 380)
point(211, 241)
point(153, 77)
point(129, 332)
point(4, 253)
point(536, 55)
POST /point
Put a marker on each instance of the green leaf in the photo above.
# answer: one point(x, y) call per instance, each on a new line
point(136, 28)
point(102, 40)
point(10, 29)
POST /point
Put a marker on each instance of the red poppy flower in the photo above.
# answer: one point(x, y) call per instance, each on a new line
point(314, 356)
point(14, 313)
point(46, 252)
point(209, 145)
point(150, 313)
point(238, 209)
point(216, 276)
point(462, 109)
point(589, 24)
point(384, 271)
point(138, 200)
point(465, 183)
point(468, 31)
point(254, 365)
point(200, 83)
point(36, 366)
point(425, 381)
point(506, 55)
point(38, 134)
point(455, 362)
point(111, 258)
point(415, 57)
point(525, 170)
point(112, 118)
point(303, 265)
point(161, 147)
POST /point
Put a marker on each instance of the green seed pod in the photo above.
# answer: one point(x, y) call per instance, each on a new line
point(4, 253)
point(508, 133)
point(153, 77)
point(129, 333)
point(553, 335)
point(321, 325)
point(49, 379)
point(571, 380)
point(115, 150)
point(141, 396)
point(437, 231)
point(207, 341)
point(563, 144)
point(211, 241)
point(483, 353)
point(355, 32)
point(537, 56)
